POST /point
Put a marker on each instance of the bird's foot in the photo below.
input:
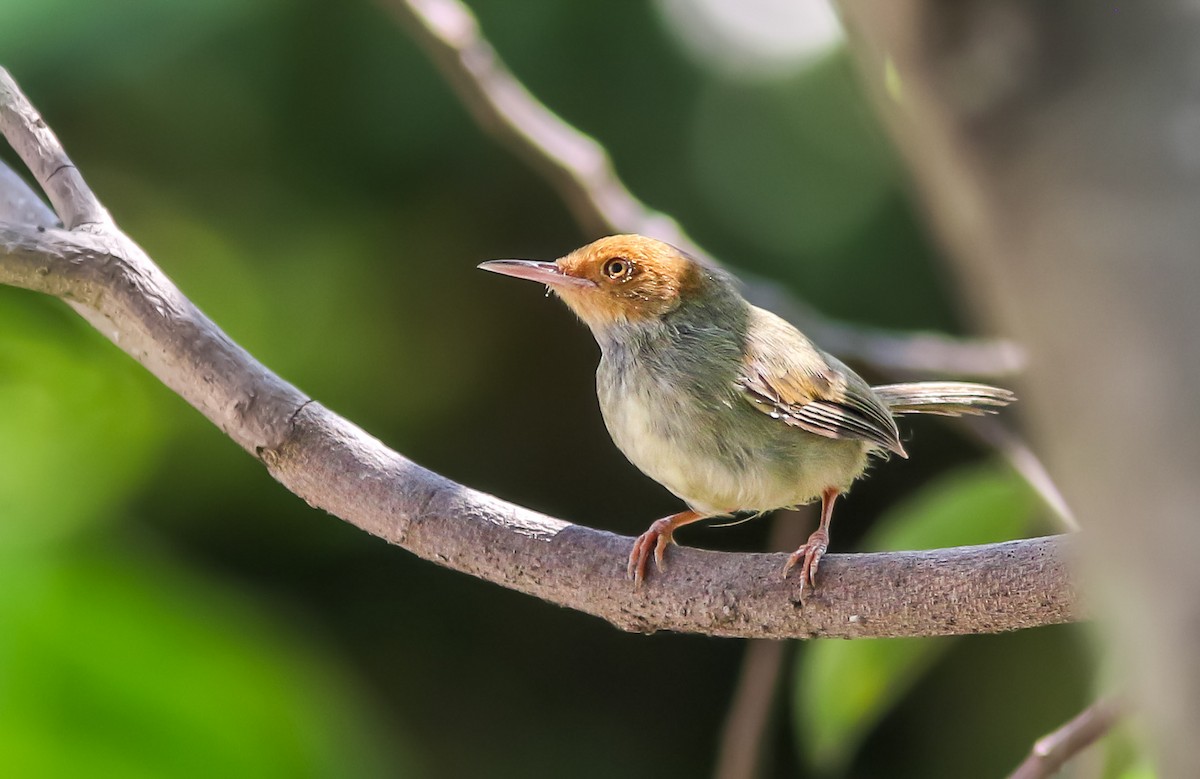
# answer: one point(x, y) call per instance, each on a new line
point(653, 541)
point(810, 554)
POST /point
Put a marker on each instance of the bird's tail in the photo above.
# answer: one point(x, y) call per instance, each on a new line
point(948, 398)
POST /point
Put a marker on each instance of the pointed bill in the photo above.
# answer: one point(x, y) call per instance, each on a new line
point(542, 272)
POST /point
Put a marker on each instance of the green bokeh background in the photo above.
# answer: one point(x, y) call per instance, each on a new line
point(306, 177)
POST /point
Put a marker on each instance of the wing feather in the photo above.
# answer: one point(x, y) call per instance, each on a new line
point(788, 378)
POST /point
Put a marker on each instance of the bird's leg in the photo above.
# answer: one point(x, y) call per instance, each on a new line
point(655, 540)
point(816, 545)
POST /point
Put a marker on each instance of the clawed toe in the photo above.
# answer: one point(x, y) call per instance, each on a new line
point(810, 555)
point(654, 542)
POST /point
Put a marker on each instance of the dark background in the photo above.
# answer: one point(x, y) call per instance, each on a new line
point(306, 177)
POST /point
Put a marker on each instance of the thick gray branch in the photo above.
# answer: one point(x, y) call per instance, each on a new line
point(990, 588)
point(335, 466)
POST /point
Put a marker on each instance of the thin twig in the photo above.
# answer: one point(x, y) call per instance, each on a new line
point(582, 172)
point(334, 465)
point(1050, 753)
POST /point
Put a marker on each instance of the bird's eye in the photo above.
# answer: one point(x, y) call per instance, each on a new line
point(617, 268)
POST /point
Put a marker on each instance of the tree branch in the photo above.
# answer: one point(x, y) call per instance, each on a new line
point(582, 172)
point(336, 466)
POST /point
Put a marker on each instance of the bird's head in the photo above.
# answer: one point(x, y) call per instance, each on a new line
point(621, 279)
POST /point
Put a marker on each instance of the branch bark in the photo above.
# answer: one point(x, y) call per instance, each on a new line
point(336, 466)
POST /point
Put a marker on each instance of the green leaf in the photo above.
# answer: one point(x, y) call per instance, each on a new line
point(843, 688)
point(113, 666)
point(972, 505)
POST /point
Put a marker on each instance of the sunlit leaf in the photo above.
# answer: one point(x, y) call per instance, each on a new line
point(842, 688)
point(975, 505)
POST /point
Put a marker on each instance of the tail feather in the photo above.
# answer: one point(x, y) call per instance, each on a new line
point(948, 398)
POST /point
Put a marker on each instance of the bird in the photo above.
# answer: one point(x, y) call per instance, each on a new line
point(727, 405)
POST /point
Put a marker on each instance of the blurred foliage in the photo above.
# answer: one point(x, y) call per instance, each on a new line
point(309, 181)
point(64, 399)
point(114, 666)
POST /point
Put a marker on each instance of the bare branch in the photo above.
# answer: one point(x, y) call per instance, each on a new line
point(334, 465)
point(1050, 753)
point(580, 169)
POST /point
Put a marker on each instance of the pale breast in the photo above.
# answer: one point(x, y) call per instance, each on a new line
point(714, 451)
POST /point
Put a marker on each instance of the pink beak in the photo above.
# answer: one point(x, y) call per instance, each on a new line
point(542, 272)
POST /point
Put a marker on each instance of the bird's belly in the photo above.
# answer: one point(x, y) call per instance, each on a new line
point(726, 459)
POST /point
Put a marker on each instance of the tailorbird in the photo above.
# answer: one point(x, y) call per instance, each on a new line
point(725, 404)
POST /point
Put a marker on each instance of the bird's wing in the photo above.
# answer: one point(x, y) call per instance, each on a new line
point(785, 376)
